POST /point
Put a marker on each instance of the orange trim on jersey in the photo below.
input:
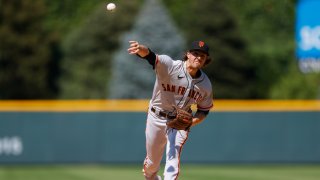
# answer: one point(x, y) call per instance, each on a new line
point(208, 108)
point(157, 59)
point(144, 166)
point(180, 150)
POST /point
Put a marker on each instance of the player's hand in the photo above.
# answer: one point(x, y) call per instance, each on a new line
point(139, 49)
point(134, 47)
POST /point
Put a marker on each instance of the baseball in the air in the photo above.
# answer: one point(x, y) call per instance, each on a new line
point(111, 7)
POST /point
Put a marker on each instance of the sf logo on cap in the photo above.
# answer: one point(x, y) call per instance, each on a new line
point(201, 43)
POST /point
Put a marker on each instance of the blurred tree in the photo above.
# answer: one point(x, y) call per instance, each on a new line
point(231, 71)
point(252, 41)
point(268, 28)
point(27, 50)
point(134, 78)
point(296, 85)
point(89, 48)
point(66, 15)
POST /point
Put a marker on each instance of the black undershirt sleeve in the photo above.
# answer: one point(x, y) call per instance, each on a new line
point(151, 58)
point(203, 112)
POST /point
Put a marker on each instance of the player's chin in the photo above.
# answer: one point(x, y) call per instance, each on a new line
point(197, 64)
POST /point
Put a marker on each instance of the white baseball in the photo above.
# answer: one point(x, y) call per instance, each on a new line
point(111, 7)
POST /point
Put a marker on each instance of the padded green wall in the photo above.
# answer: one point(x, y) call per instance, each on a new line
point(114, 137)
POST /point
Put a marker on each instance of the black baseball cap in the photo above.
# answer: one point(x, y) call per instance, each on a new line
point(200, 46)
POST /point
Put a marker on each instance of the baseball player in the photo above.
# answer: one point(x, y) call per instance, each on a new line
point(179, 84)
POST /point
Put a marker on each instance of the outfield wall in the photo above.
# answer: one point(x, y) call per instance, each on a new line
point(113, 132)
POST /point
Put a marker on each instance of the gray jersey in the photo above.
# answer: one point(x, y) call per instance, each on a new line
point(175, 87)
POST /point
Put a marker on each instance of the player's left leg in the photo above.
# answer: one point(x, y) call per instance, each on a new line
point(176, 140)
point(155, 144)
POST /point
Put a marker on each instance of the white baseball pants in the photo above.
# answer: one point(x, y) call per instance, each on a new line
point(158, 136)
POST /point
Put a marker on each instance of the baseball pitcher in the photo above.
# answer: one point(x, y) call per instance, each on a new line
point(178, 85)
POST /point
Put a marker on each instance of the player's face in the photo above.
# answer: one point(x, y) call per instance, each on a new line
point(197, 59)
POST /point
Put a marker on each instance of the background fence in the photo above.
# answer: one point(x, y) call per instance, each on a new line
point(113, 132)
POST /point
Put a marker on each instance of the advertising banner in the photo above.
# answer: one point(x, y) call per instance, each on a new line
point(308, 35)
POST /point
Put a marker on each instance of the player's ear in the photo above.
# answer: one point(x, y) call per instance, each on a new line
point(188, 53)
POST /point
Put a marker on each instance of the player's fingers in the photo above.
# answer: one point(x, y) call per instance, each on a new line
point(133, 43)
point(134, 47)
point(136, 51)
point(133, 50)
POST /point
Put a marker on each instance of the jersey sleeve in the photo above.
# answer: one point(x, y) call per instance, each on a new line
point(206, 103)
point(163, 64)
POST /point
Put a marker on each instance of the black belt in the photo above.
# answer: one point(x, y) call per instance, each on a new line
point(163, 114)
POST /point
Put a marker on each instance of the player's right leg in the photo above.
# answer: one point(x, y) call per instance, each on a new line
point(176, 140)
point(155, 145)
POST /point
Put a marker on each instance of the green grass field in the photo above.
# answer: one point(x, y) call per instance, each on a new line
point(133, 172)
